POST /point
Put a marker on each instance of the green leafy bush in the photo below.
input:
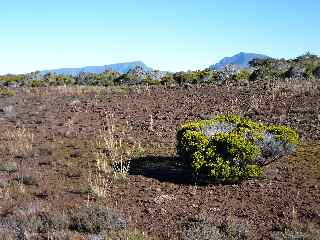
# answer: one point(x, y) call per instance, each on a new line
point(6, 79)
point(37, 83)
point(7, 92)
point(242, 75)
point(150, 81)
point(167, 79)
point(231, 147)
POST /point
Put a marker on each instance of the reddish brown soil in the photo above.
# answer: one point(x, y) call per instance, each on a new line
point(159, 198)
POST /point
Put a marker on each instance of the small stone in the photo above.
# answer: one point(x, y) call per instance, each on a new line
point(68, 134)
point(147, 189)
point(43, 194)
point(75, 102)
point(9, 111)
point(206, 116)
point(95, 237)
point(163, 198)
point(316, 72)
point(28, 180)
point(46, 150)
point(9, 167)
point(76, 153)
point(163, 211)
point(193, 193)
point(149, 211)
point(4, 183)
point(44, 162)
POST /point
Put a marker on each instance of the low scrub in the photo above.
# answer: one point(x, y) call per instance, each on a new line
point(232, 148)
point(5, 92)
point(96, 219)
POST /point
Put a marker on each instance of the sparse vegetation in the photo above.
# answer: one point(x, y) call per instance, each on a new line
point(229, 147)
point(65, 172)
point(114, 155)
point(303, 67)
point(19, 142)
point(96, 219)
point(242, 75)
point(6, 92)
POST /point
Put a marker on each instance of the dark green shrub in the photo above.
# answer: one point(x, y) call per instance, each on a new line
point(316, 72)
point(262, 74)
point(167, 79)
point(231, 147)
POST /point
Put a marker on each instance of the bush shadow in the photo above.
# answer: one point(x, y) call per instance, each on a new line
point(162, 168)
point(171, 169)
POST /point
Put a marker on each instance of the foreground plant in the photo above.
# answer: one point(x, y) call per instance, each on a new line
point(19, 142)
point(6, 92)
point(98, 185)
point(113, 155)
point(231, 147)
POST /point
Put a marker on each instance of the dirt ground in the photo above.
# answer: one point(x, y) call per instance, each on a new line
point(160, 198)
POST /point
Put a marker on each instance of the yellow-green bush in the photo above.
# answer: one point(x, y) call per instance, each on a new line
point(231, 147)
point(242, 75)
point(7, 92)
point(37, 83)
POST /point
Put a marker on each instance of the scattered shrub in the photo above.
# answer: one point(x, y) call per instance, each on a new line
point(44, 222)
point(207, 227)
point(11, 79)
point(304, 66)
point(96, 219)
point(150, 81)
point(128, 235)
point(6, 92)
point(167, 79)
point(231, 147)
point(242, 75)
point(37, 83)
point(203, 231)
point(316, 72)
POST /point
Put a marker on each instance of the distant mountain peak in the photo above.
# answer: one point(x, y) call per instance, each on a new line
point(117, 67)
point(241, 60)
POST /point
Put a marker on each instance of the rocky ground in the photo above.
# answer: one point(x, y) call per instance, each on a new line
point(48, 160)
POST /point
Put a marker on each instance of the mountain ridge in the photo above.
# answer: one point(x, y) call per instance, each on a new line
point(241, 60)
point(123, 67)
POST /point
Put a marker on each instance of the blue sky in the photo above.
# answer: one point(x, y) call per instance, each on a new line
point(167, 35)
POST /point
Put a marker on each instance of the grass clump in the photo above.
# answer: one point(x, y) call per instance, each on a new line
point(37, 83)
point(19, 142)
point(242, 75)
point(96, 219)
point(113, 155)
point(5, 92)
point(127, 234)
point(229, 147)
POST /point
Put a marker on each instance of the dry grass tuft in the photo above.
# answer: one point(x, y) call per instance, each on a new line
point(19, 142)
point(64, 91)
point(98, 185)
point(113, 155)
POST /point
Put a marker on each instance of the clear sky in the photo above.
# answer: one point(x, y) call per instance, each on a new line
point(167, 35)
